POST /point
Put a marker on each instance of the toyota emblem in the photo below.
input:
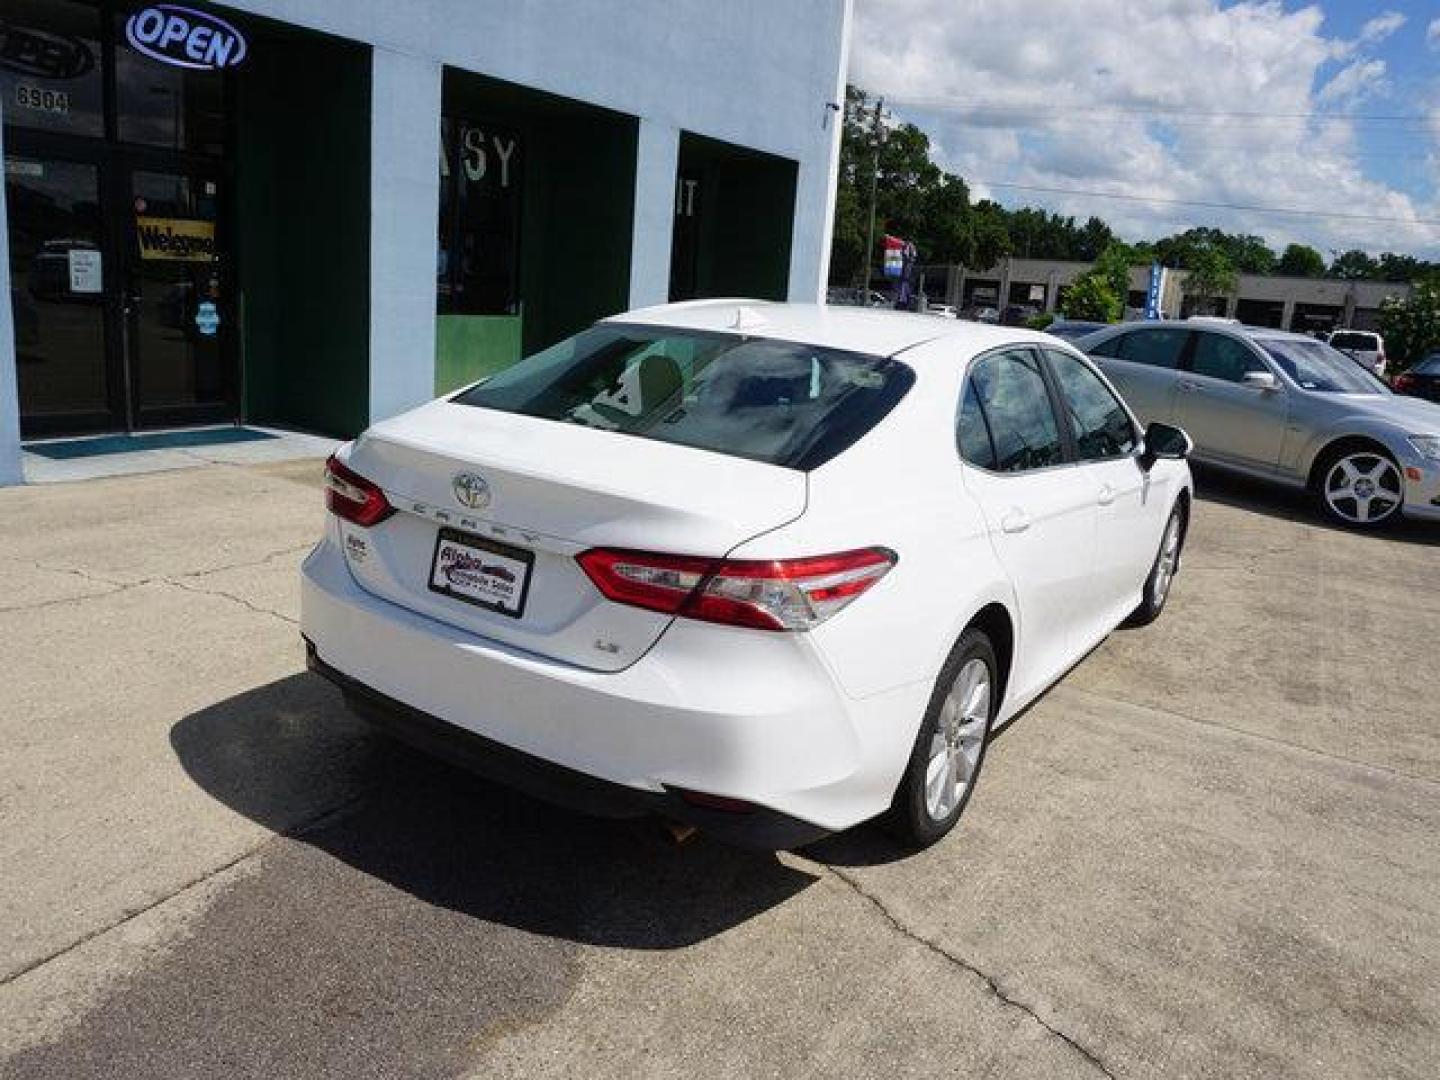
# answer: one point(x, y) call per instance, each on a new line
point(472, 490)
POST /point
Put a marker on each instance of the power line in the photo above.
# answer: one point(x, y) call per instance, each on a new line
point(952, 104)
point(1208, 205)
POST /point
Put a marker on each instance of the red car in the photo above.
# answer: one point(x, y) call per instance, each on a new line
point(1422, 380)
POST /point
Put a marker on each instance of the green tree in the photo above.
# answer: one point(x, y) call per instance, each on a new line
point(1091, 297)
point(1113, 265)
point(1353, 265)
point(1301, 260)
point(1209, 274)
point(1412, 326)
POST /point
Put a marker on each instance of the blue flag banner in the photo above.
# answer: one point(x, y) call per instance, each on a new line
point(1152, 295)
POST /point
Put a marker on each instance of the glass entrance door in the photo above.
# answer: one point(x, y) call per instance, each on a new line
point(177, 318)
point(62, 295)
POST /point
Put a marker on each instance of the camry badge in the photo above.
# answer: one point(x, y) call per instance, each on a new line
point(472, 490)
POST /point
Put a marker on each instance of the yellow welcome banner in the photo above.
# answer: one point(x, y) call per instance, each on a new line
point(176, 239)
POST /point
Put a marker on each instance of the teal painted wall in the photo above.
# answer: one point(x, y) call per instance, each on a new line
point(303, 231)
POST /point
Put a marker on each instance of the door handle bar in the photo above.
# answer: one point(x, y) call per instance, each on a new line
point(1015, 521)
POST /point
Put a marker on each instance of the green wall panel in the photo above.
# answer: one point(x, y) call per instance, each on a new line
point(469, 347)
point(303, 231)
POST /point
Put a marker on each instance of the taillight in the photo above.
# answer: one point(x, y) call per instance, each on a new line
point(766, 594)
point(350, 496)
point(1403, 383)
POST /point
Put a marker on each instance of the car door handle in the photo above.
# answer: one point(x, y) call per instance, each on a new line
point(1015, 521)
point(1106, 496)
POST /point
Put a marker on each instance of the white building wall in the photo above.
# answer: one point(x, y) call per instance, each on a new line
point(10, 470)
point(657, 155)
point(404, 209)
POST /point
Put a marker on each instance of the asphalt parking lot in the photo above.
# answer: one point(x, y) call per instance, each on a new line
point(1213, 850)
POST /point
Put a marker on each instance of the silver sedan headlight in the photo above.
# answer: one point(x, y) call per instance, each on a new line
point(1426, 445)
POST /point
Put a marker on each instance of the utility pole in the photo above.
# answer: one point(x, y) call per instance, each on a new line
point(875, 139)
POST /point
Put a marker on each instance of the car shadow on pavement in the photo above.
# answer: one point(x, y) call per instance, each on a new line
point(452, 839)
point(1290, 504)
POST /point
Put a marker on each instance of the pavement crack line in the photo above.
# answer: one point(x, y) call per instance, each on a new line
point(297, 831)
point(257, 608)
point(990, 982)
point(293, 549)
point(1299, 748)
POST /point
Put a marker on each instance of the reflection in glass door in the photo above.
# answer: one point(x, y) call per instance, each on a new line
point(58, 289)
point(177, 321)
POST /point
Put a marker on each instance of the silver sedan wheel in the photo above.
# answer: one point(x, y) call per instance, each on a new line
point(1364, 488)
point(959, 737)
point(1168, 561)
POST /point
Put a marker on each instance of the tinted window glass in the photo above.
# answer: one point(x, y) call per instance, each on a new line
point(1313, 365)
point(1353, 340)
point(776, 401)
point(1219, 357)
point(1153, 348)
point(973, 432)
point(1429, 366)
point(1022, 424)
point(50, 73)
point(161, 105)
point(1100, 424)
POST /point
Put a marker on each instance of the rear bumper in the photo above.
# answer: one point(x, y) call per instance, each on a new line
point(554, 783)
point(738, 714)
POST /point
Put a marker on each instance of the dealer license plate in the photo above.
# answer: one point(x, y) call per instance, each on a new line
point(482, 572)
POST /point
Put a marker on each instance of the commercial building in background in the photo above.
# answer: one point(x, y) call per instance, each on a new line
point(1288, 303)
point(315, 214)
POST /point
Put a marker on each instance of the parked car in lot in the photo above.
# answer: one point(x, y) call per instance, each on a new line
point(1362, 346)
point(1283, 407)
point(773, 570)
point(1073, 329)
point(944, 311)
point(1422, 380)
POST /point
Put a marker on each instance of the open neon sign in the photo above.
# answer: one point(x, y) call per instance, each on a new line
point(185, 37)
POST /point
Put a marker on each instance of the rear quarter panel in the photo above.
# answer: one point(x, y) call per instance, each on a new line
point(900, 487)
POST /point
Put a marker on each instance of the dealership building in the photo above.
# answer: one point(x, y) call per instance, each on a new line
point(313, 214)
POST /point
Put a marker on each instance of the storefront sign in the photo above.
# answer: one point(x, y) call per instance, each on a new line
point(480, 155)
point(1155, 291)
point(176, 239)
point(85, 272)
point(185, 38)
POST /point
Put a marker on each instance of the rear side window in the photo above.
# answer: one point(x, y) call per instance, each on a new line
point(1154, 348)
point(1100, 424)
point(1353, 340)
point(1221, 357)
point(973, 434)
point(779, 402)
point(1012, 394)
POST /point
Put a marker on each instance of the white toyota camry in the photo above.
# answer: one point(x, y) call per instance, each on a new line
point(768, 569)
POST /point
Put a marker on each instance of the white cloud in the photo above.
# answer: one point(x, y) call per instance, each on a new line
point(1357, 80)
point(1166, 99)
point(1381, 27)
point(1432, 34)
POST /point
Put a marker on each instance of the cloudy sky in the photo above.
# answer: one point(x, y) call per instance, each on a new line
point(1330, 107)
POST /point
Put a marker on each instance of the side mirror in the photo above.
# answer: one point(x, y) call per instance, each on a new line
point(1261, 380)
point(1163, 442)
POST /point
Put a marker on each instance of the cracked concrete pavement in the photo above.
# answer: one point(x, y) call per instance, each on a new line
point(1211, 851)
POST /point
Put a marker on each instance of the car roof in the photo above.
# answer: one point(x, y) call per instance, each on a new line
point(867, 330)
point(1268, 333)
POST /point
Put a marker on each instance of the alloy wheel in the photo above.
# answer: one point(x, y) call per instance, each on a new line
point(1364, 488)
point(1169, 559)
point(958, 740)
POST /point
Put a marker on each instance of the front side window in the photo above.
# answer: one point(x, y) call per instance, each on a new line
point(781, 402)
point(1016, 402)
point(1315, 366)
point(1217, 356)
point(1099, 423)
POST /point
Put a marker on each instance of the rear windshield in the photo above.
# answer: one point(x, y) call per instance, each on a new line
point(774, 401)
point(1313, 365)
point(1355, 341)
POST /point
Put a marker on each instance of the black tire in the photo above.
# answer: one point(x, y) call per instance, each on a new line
point(1388, 487)
point(1158, 583)
point(911, 819)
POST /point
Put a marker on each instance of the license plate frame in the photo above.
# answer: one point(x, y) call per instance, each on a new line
point(458, 538)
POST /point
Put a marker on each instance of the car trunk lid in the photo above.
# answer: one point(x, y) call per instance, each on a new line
point(542, 492)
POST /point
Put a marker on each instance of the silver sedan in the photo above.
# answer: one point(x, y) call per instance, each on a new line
point(1282, 407)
